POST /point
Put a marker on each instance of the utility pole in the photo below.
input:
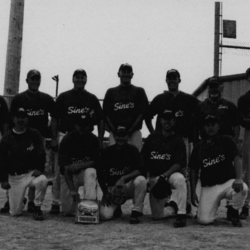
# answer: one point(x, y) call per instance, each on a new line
point(217, 39)
point(14, 49)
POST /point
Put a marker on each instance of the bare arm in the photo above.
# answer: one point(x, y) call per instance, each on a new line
point(238, 183)
point(126, 178)
point(149, 125)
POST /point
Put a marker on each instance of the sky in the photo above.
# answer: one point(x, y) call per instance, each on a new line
point(60, 36)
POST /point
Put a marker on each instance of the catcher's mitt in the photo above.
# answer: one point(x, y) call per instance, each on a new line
point(118, 194)
point(161, 189)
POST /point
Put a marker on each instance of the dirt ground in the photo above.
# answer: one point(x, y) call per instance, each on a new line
point(61, 233)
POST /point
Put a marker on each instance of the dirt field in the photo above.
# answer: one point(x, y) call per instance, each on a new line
point(61, 233)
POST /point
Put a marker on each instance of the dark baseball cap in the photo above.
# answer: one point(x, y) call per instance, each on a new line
point(126, 66)
point(248, 72)
point(33, 72)
point(121, 131)
point(213, 82)
point(20, 112)
point(211, 119)
point(80, 71)
point(173, 72)
point(167, 114)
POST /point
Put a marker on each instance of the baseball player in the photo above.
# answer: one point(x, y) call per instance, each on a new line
point(164, 155)
point(22, 158)
point(121, 165)
point(183, 106)
point(70, 105)
point(78, 153)
point(244, 109)
point(217, 159)
point(125, 104)
point(39, 106)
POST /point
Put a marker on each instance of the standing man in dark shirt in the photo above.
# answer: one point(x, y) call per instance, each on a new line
point(121, 164)
point(70, 105)
point(164, 155)
point(217, 159)
point(244, 109)
point(22, 158)
point(125, 105)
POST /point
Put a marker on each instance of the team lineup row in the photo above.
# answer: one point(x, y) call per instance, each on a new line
point(166, 165)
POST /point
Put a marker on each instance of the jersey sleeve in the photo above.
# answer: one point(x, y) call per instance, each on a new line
point(58, 109)
point(4, 158)
point(107, 104)
point(4, 112)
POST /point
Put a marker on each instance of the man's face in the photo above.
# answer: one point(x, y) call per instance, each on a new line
point(79, 81)
point(211, 128)
point(125, 75)
point(167, 124)
point(214, 92)
point(121, 139)
point(33, 83)
point(20, 121)
point(173, 82)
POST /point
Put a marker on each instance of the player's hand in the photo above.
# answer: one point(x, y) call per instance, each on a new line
point(54, 145)
point(238, 185)
point(5, 185)
point(75, 195)
point(120, 182)
point(194, 200)
point(36, 173)
point(73, 168)
point(106, 200)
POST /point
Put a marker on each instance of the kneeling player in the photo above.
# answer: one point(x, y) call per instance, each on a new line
point(164, 154)
point(121, 165)
point(217, 159)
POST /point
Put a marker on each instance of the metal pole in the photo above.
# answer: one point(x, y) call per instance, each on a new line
point(56, 79)
point(216, 39)
point(14, 49)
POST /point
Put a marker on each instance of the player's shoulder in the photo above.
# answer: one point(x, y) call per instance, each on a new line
point(227, 103)
point(45, 95)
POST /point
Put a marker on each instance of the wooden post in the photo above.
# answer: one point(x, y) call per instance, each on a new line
point(14, 50)
point(216, 39)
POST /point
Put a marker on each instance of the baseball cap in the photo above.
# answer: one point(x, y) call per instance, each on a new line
point(211, 118)
point(125, 66)
point(248, 72)
point(213, 82)
point(20, 112)
point(121, 131)
point(80, 71)
point(167, 114)
point(33, 72)
point(173, 72)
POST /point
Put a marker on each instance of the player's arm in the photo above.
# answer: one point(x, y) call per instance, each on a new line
point(77, 167)
point(238, 183)
point(132, 129)
point(173, 169)
point(128, 177)
point(236, 133)
point(54, 128)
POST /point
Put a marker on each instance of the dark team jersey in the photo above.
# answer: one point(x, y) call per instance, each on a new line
point(71, 104)
point(160, 153)
point(224, 109)
point(183, 106)
point(4, 112)
point(244, 109)
point(38, 105)
point(123, 105)
point(21, 153)
point(215, 162)
point(76, 148)
point(116, 162)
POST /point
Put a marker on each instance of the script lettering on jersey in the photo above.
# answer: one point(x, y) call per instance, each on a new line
point(119, 106)
point(31, 147)
point(38, 112)
point(75, 110)
point(115, 171)
point(179, 113)
point(210, 162)
point(158, 156)
point(79, 161)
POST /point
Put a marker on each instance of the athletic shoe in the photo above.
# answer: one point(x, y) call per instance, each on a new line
point(180, 220)
point(134, 218)
point(5, 208)
point(31, 206)
point(235, 218)
point(244, 213)
point(38, 214)
point(118, 212)
point(55, 209)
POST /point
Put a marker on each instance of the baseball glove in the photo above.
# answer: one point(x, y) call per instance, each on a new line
point(161, 189)
point(118, 194)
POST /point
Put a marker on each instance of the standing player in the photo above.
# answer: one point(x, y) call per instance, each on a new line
point(125, 105)
point(244, 109)
point(38, 105)
point(183, 106)
point(70, 105)
point(217, 159)
point(78, 153)
point(22, 158)
point(121, 165)
point(164, 154)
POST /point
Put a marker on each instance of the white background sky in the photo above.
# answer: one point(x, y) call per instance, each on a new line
point(60, 36)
